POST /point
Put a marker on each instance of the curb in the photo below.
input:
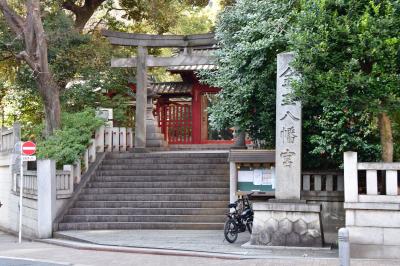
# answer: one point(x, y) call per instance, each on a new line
point(148, 251)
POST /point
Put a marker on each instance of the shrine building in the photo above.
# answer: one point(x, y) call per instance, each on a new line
point(172, 112)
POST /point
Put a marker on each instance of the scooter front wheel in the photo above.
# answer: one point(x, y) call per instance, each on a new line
point(230, 231)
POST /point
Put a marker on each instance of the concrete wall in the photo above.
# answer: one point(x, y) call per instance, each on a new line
point(373, 218)
point(9, 212)
point(332, 218)
point(373, 233)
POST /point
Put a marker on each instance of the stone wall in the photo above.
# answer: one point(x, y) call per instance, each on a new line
point(9, 212)
point(287, 224)
point(373, 210)
point(374, 230)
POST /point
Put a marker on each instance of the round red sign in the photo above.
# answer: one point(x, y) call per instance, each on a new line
point(28, 148)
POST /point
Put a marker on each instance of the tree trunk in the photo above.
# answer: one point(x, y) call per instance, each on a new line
point(50, 93)
point(385, 130)
point(35, 55)
point(82, 13)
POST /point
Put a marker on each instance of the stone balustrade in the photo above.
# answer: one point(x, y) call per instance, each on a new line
point(64, 184)
point(372, 205)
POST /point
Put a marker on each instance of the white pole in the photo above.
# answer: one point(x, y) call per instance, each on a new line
point(21, 177)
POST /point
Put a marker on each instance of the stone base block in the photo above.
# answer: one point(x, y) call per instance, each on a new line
point(287, 224)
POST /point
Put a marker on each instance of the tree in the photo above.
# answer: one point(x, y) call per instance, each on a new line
point(34, 53)
point(82, 12)
point(250, 35)
point(348, 55)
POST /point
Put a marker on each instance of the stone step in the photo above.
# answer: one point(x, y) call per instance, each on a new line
point(197, 147)
point(160, 167)
point(161, 155)
point(147, 211)
point(161, 178)
point(165, 184)
point(152, 204)
point(165, 191)
point(153, 197)
point(141, 226)
point(153, 172)
point(144, 218)
point(166, 161)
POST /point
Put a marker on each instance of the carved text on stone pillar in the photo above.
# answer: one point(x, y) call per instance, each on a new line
point(288, 131)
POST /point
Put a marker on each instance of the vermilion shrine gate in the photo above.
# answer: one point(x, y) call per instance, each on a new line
point(180, 107)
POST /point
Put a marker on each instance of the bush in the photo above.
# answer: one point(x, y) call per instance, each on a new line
point(68, 144)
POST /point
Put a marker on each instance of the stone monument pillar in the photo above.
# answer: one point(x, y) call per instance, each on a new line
point(287, 220)
point(288, 133)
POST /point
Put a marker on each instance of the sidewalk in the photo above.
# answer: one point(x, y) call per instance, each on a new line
point(209, 241)
point(91, 254)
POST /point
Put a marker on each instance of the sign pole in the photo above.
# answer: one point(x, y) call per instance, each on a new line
point(21, 177)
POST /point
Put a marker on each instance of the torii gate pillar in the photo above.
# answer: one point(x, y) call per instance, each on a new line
point(141, 100)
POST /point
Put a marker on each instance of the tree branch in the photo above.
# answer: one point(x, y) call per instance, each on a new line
point(15, 21)
point(82, 13)
point(71, 6)
point(24, 56)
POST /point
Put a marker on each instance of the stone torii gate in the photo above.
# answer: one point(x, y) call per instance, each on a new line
point(143, 41)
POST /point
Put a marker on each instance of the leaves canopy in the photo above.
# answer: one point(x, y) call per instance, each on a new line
point(250, 35)
point(348, 54)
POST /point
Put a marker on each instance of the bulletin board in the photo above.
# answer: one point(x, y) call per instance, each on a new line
point(259, 178)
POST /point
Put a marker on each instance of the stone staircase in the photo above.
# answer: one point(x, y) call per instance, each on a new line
point(158, 190)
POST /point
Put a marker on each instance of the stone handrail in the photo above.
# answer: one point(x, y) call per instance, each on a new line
point(322, 181)
point(322, 185)
point(111, 139)
point(353, 192)
point(64, 184)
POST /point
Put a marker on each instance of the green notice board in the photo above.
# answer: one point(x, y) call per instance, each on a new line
point(257, 179)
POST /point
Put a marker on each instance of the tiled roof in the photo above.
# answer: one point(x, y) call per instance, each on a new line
point(192, 68)
point(171, 88)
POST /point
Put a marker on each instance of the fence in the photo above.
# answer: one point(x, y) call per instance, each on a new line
point(107, 139)
point(372, 207)
point(114, 139)
point(322, 184)
point(64, 184)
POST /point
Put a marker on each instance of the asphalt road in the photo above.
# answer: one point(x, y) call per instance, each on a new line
point(7, 261)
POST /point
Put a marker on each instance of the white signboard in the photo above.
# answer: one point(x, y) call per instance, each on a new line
point(245, 176)
point(28, 158)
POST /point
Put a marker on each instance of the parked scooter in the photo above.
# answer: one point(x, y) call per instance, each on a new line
point(240, 219)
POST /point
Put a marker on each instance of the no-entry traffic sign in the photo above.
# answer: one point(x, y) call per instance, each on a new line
point(28, 148)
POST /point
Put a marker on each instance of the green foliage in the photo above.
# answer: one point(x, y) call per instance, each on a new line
point(161, 15)
point(348, 55)
point(68, 144)
point(250, 34)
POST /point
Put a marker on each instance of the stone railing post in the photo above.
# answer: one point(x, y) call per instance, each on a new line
point(344, 247)
point(350, 177)
point(16, 132)
point(46, 184)
point(100, 139)
point(92, 151)
point(232, 182)
point(77, 172)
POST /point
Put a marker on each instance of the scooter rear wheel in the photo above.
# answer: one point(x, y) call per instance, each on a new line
point(230, 231)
